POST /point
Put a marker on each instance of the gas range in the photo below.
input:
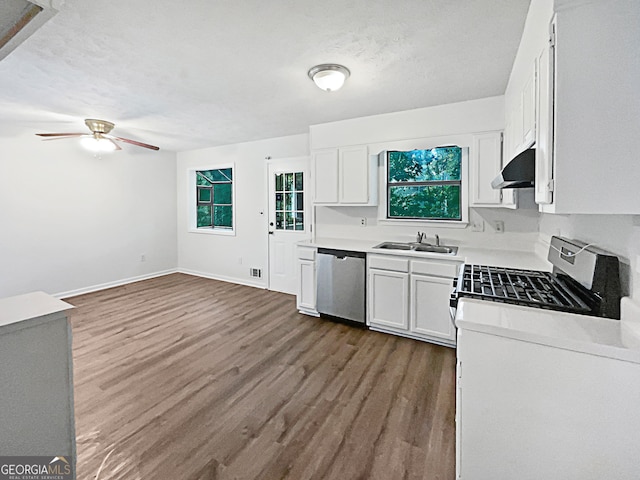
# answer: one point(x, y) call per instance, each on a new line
point(584, 280)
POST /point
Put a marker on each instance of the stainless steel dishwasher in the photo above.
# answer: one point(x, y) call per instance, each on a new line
point(341, 284)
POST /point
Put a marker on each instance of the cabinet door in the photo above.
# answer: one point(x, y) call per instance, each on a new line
point(388, 299)
point(544, 132)
point(529, 110)
point(486, 161)
point(430, 314)
point(354, 175)
point(325, 173)
point(306, 285)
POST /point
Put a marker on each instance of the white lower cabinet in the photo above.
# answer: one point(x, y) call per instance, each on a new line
point(388, 292)
point(306, 268)
point(525, 410)
point(410, 297)
point(429, 307)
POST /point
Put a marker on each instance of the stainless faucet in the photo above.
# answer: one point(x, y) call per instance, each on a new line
point(421, 235)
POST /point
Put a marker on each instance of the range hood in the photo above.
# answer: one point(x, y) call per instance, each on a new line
point(520, 172)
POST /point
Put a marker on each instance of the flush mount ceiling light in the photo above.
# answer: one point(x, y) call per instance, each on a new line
point(329, 76)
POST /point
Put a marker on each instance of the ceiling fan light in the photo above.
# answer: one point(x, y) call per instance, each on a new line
point(97, 144)
point(329, 77)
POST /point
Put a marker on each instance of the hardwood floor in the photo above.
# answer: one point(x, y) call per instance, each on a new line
point(181, 377)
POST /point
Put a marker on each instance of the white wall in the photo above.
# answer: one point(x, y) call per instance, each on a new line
point(618, 234)
point(71, 222)
point(380, 132)
point(231, 257)
point(452, 119)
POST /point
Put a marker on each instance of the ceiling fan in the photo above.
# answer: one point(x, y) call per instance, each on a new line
point(99, 139)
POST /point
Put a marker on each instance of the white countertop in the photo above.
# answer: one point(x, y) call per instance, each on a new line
point(581, 333)
point(484, 256)
point(30, 305)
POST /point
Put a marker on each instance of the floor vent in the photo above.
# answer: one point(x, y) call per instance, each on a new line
point(255, 272)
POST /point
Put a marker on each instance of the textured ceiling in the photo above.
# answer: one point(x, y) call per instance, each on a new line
point(186, 75)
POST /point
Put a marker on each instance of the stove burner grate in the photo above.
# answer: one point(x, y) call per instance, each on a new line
point(520, 287)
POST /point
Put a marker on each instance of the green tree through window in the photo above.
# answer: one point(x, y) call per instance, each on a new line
point(214, 198)
point(425, 184)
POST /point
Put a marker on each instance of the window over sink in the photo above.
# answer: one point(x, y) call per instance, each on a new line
point(425, 184)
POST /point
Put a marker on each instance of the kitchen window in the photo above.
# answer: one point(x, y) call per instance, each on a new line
point(425, 184)
point(214, 200)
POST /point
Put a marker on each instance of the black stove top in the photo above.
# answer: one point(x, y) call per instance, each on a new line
point(520, 287)
point(584, 280)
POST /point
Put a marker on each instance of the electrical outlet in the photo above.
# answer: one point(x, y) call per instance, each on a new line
point(477, 226)
point(363, 222)
point(499, 227)
point(143, 257)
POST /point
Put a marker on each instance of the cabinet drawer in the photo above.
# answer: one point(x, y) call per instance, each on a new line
point(306, 253)
point(434, 267)
point(384, 262)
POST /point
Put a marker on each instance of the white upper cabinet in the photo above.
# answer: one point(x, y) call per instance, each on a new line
point(528, 110)
point(354, 175)
point(520, 112)
point(325, 173)
point(586, 104)
point(486, 161)
point(345, 176)
point(544, 132)
point(485, 164)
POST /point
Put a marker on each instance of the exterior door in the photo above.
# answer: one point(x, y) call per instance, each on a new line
point(288, 219)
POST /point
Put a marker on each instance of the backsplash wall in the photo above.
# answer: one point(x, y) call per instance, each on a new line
point(618, 234)
point(521, 227)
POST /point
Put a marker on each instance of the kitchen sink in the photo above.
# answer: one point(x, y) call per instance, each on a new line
point(418, 247)
point(436, 249)
point(395, 246)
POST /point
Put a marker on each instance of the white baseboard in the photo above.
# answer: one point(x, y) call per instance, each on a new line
point(222, 278)
point(116, 283)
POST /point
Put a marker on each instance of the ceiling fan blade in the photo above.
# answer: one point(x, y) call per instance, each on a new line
point(60, 134)
point(118, 147)
point(65, 137)
point(133, 142)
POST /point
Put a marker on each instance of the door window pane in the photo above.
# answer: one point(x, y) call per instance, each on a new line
point(289, 220)
point(289, 201)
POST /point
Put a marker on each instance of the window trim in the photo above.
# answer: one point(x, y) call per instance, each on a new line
point(193, 201)
point(461, 141)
